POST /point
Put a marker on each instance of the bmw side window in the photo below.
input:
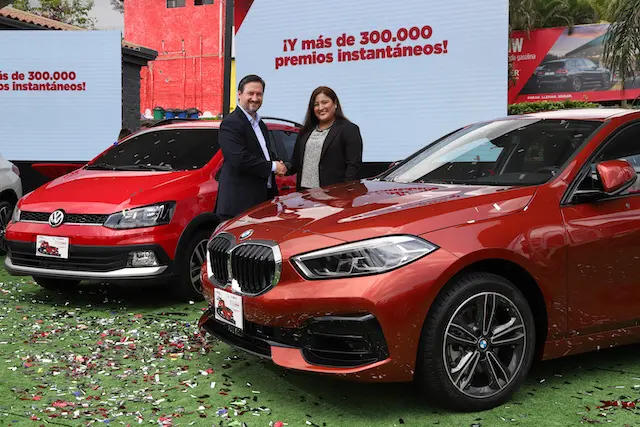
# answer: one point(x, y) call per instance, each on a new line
point(624, 146)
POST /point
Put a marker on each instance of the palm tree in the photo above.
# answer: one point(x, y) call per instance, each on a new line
point(622, 41)
point(529, 14)
point(559, 13)
point(522, 15)
point(602, 8)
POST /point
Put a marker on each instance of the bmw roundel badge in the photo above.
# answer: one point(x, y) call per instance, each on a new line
point(246, 234)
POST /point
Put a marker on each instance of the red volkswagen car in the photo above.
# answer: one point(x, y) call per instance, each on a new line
point(141, 211)
point(504, 241)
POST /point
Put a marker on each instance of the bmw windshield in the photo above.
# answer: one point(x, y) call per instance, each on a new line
point(506, 152)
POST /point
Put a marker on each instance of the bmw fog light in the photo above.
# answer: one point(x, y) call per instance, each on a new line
point(142, 259)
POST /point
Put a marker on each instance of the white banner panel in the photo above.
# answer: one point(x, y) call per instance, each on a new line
point(406, 72)
point(60, 93)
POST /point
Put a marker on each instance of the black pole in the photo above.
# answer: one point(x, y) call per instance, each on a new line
point(228, 42)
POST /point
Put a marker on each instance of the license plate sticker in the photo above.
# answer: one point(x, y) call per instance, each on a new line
point(228, 308)
point(52, 247)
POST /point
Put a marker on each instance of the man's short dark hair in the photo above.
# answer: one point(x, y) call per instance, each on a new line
point(251, 78)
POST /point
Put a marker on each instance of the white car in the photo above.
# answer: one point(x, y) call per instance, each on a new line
point(10, 192)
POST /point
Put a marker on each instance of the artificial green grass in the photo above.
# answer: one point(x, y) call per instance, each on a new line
point(128, 356)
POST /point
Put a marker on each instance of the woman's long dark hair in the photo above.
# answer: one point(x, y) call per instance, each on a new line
point(310, 120)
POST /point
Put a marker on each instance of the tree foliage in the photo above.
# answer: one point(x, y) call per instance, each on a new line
point(622, 41)
point(529, 14)
point(73, 12)
point(118, 5)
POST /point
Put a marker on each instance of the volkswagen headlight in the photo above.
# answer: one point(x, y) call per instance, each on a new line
point(146, 216)
point(363, 258)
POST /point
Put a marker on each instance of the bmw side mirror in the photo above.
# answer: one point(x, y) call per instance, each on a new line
point(615, 177)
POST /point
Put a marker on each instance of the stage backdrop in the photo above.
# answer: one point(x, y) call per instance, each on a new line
point(555, 64)
point(60, 94)
point(405, 73)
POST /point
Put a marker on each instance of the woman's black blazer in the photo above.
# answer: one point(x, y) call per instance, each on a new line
point(341, 157)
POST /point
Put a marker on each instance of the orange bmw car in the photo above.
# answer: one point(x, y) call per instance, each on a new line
point(504, 241)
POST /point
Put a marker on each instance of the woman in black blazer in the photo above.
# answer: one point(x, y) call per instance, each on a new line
point(329, 147)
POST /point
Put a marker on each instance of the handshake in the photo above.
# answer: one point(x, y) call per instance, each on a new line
point(281, 169)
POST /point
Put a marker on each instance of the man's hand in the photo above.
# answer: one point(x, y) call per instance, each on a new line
point(281, 169)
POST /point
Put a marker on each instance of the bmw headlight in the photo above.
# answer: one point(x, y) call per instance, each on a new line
point(146, 216)
point(16, 214)
point(363, 258)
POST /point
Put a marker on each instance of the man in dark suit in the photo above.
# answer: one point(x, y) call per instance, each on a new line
point(248, 172)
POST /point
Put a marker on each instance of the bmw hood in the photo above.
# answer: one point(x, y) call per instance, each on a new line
point(373, 208)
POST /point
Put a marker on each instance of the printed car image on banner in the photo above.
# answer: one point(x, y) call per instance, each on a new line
point(403, 73)
point(555, 64)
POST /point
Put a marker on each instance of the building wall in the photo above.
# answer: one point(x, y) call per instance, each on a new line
point(188, 71)
point(130, 95)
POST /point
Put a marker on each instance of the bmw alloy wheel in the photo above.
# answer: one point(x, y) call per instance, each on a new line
point(485, 344)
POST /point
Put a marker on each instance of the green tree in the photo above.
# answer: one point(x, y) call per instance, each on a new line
point(622, 41)
point(522, 15)
point(554, 13)
point(118, 5)
point(530, 14)
point(73, 12)
point(602, 9)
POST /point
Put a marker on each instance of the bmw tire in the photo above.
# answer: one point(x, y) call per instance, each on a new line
point(477, 344)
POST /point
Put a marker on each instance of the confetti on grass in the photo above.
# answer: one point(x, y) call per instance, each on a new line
point(87, 359)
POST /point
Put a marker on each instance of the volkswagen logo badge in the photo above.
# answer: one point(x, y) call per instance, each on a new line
point(56, 218)
point(246, 234)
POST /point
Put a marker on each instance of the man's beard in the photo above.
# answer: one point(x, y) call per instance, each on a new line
point(252, 108)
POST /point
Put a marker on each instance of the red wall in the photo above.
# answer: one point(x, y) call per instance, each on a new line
point(189, 69)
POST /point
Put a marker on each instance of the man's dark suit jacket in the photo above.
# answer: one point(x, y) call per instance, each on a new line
point(341, 157)
point(245, 171)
